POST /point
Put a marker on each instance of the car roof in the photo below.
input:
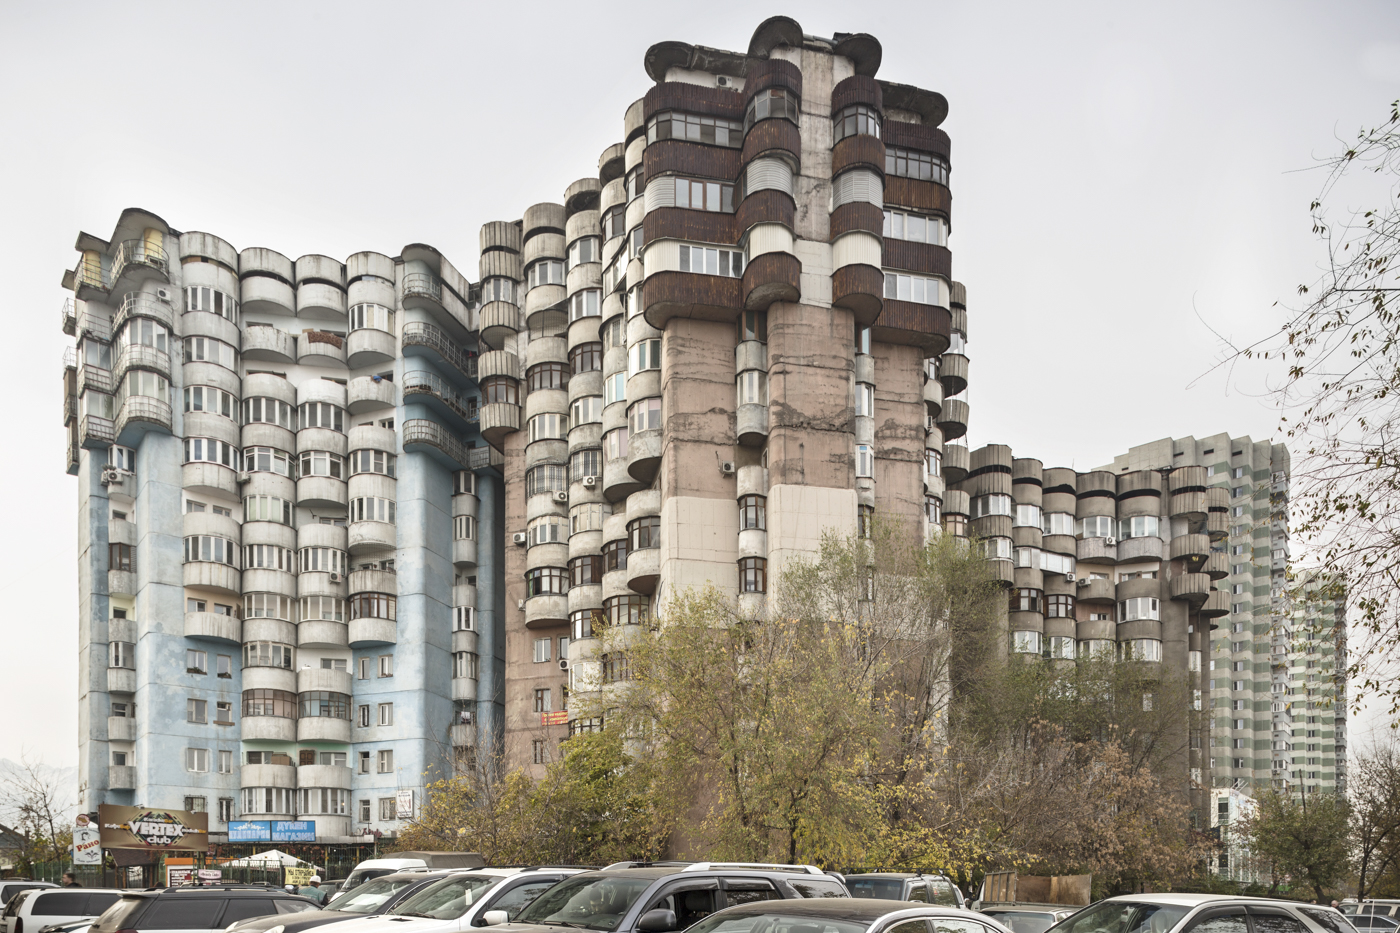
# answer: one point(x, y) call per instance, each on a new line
point(656, 872)
point(55, 888)
point(1195, 900)
point(843, 908)
point(220, 889)
point(891, 874)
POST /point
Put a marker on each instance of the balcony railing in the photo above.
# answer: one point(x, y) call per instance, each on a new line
point(68, 315)
point(436, 387)
point(138, 253)
point(89, 272)
point(423, 431)
point(423, 334)
point(145, 306)
point(70, 409)
point(422, 285)
point(95, 378)
point(144, 409)
point(96, 432)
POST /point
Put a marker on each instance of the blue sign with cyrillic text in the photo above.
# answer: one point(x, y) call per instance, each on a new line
point(250, 831)
point(292, 831)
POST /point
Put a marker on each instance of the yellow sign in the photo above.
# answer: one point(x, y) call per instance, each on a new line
point(299, 876)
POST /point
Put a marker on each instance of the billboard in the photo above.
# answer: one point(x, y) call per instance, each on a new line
point(272, 831)
point(152, 829)
point(87, 844)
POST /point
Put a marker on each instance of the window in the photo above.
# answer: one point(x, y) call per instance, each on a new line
point(225, 803)
point(584, 249)
point(197, 759)
point(386, 714)
point(497, 289)
point(319, 800)
point(281, 703)
point(121, 557)
point(587, 357)
point(372, 509)
point(321, 415)
point(933, 510)
point(321, 560)
point(268, 654)
point(214, 401)
point(499, 389)
point(1027, 516)
point(752, 387)
point(1062, 647)
point(614, 222)
point(545, 272)
point(548, 477)
point(644, 415)
point(615, 443)
point(586, 570)
point(465, 664)
point(547, 529)
point(200, 298)
point(1057, 523)
point(707, 260)
point(386, 761)
point(376, 317)
point(615, 668)
point(585, 303)
point(857, 119)
point(954, 524)
point(933, 462)
point(208, 450)
point(996, 548)
point(373, 606)
point(643, 355)
point(210, 548)
point(773, 102)
point(209, 350)
point(643, 533)
point(753, 511)
point(196, 710)
point(1096, 526)
point(1141, 526)
point(268, 557)
point(547, 376)
point(636, 181)
point(865, 399)
point(703, 195)
point(322, 463)
point(386, 665)
point(1050, 562)
point(1059, 606)
point(906, 163)
point(463, 528)
point(919, 289)
point(1025, 600)
point(196, 662)
point(865, 460)
point(388, 808)
point(1140, 649)
point(753, 575)
point(322, 608)
point(267, 509)
point(268, 460)
point(1028, 557)
point(1141, 607)
point(546, 581)
point(753, 325)
point(548, 426)
point(995, 504)
point(1025, 642)
point(712, 130)
point(542, 648)
point(586, 517)
point(626, 610)
point(919, 229)
point(223, 716)
point(269, 411)
point(542, 701)
point(362, 717)
point(586, 409)
point(615, 555)
point(324, 704)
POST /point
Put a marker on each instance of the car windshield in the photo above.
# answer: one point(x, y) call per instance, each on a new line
point(360, 875)
point(1329, 920)
point(368, 897)
point(448, 899)
point(1123, 917)
point(886, 889)
point(1022, 921)
point(594, 902)
point(774, 923)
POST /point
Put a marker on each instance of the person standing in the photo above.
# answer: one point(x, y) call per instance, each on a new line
point(69, 881)
point(312, 889)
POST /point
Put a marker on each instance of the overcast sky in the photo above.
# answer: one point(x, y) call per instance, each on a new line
point(1121, 171)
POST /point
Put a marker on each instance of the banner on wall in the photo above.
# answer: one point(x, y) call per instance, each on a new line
point(152, 829)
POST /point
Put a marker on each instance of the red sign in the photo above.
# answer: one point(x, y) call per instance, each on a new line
point(554, 719)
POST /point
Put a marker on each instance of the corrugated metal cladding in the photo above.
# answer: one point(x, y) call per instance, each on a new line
point(765, 174)
point(661, 192)
point(857, 185)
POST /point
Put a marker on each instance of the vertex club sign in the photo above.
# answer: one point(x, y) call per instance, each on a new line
point(153, 829)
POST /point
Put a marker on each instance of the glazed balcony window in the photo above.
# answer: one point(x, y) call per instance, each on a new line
point(548, 426)
point(707, 260)
point(214, 401)
point(1027, 516)
point(615, 443)
point(321, 415)
point(545, 272)
point(581, 623)
point(144, 332)
point(372, 509)
point(585, 571)
point(547, 529)
point(584, 249)
point(209, 350)
point(587, 517)
point(121, 654)
point(1059, 606)
point(321, 560)
point(323, 800)
point(644, 415)
point(865, 399)
point(920, 289)
point(322, 609)
point(703, 195)
point(1141, 607)
point(199, 298)
point(773, 102)
point(865, 521)
point(146, 384)
point(615, 555)
point(995, 504)
point(586, 462)
point(500, 389)
point(855, 120)
point(373, 461)
point(615, 273)
point(627, 610)
point(614, 221)
point(546, 581)
point(547, 477)
point(916, 228)
point(546, 376)
point(933, 510)
point(269, 411)
point(644, 533)
point(614, 333)
point(996, 548)
point(586, 358)
point(752, 387)
point(715, 131)
point(267, 460)
point(1050, 562)
point(862, 336)
point(317, 704)
point(906, 163)
point(636, 240)
point(1140, 526)
point(1025, 600)
point(256, 800)
point(643, 355)
point(463, 483)
point(466, 664)
point(1096, 526)
point(957, 343)
point(122, 458)
point(280, 703)
point(954, 524)
point(1141, 649)
point(268, 557)
point(121, 557)
point(615, 388)
point(373, 606)
point(753, 575)
point(463, 618)
point(269, 606)
point(322, 463)
point(587, 303)
point(372, 317)
point(464, 528)
point(1025, 642)
point(753, 512)
point(587, 409)
point(1057, 523)
point(1029, 557)
point(1097, 648)
point(1061, 648)
point(498, 288)
point(267, 509)
point(211, 548)
point(616, 668)
point(269, 654)
point(865, 461)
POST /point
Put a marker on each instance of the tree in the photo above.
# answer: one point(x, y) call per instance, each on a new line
point(37, 813)
point(1375, 795)
point(1306, 838)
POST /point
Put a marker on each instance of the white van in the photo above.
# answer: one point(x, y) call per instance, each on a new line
point(407, 861)
point(30, 910)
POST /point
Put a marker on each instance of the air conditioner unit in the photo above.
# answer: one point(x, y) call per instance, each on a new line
point(563, 664)
point(1111, 542)
point(1083, 581)
point(163, 294)
point(244, 477)
point(722, 81)
point(590, 481)
point(1069, 578)
point(335, 578)
point(727, 467)
point(111, 475)
point(518, 538)
point(561, 496)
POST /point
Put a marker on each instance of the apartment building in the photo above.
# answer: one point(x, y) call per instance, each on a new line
point(285, 510)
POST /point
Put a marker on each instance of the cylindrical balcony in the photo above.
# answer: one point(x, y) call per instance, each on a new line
point(372, 536)
point(121, 680)
point(323, 729)
point(268, 776)
point(213, 576)
point(121, 729)
point(321, 492)
point(1192, 587)
point(266, 343)
point(369, 393)
point(322, 633)
point(371, 633)
point(368, 346)
point(319, 348)
point(214, 626)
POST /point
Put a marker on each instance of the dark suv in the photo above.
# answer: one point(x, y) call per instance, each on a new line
point(196, 908)
point(376, 896)
point(661, 897)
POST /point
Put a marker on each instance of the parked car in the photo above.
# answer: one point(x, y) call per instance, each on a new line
point(1028, 918)
point(904, 886)
point(1379, 923)
point(377, 896)
point(74, 926)
point(403, 861)
point(197, 908)
point(1201, 913)
point(41, 907)
point(12, 886)
point(462, 900)
point(845, 915)
point(1386, 907)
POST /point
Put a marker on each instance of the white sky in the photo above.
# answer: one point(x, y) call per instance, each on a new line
point(1118, 170)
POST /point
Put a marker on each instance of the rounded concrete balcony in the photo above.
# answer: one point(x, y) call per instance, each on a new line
point(644, 456)
point(121, 777)
point(1218, 525)
point(955, 463)
point(466, 641)
point(1218, 566)
point(751, 424)
point(324, 678)
point(1191, 587)
point(464, 688)
point(374, 581)
point(140, 356)
point(1217, 604)
point(499, 321)
point(213, 626)
point(369, 393)
point(282, 582)
point(546, 610)
point(121, 729)
point(322, 633)
point(209, 575)
point(267, 295)
point(643, 570)
point(369, 347)
point(321, 492)
point(270, 678)
point(1097, 591)
point(265, 343)
point(318, 348)
point(1190, 505)
point(323, 729)
point(321, 439)
point(370, 633)
point(269, 435)
point(1193, 549)
point(372, 536)
point(1144, 548)
point(205, 424)
point(268, 729)
point(618, 484)
point(933, 398)
point(278, 630)
point(121, 680)
point(337, 776)
point(464, 552)
point(321, 302)
point(267, 775)
point(952, 418)
point(1096, 551)
point(497, 420)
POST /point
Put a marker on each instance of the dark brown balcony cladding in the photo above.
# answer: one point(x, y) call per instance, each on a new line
point(860, 150)
point(857, 89)
point(905, 323)
point(774, 72)
point(679, 223)
point(772, 277)
point(686, 158)
point(694, 98)
point(918, 195)
point(859, 289)
point(927, 258)
point(913, 136)
point(768, 206)
point(858, 215)
point(767, 135)
point(668, 295)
